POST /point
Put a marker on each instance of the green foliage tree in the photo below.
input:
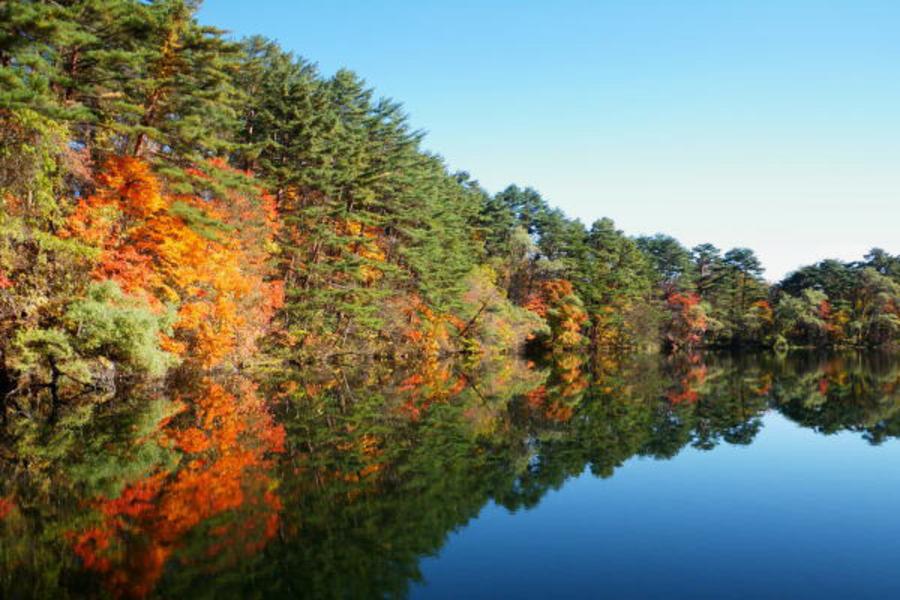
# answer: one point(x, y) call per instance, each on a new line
point(672, 262)
point(616, 286)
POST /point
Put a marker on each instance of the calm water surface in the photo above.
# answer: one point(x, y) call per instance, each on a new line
point(692, 477)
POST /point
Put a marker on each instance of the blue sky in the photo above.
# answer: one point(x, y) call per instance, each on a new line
point(773, 124)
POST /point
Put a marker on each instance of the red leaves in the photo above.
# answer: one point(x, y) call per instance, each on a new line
point(412, 382)
point(687, 393)
point(688, 320)
point(6, 507)
point(90, 546)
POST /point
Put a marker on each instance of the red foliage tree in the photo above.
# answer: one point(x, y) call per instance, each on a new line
point(687, 323)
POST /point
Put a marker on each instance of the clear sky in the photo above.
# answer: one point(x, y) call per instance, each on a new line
point(773, 124)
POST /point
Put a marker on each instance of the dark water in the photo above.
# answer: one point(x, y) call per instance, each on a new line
point(698, 477)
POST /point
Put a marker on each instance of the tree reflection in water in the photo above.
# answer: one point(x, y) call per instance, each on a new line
point(336, 483)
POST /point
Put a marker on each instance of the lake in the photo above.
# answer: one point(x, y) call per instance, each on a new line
point(702, 476)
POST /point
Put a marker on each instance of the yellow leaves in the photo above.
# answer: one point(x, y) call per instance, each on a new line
point(353, 227)
point(370, 274)
point(609, 328)
point(367, 245)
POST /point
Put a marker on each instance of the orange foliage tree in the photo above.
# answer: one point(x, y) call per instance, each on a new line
point(687, 322)
point(557, 302)
point(207, 257)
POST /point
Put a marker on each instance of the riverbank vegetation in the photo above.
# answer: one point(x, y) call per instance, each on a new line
point(171, 197)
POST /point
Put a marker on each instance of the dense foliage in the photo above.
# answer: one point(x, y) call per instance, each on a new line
point(170, 196)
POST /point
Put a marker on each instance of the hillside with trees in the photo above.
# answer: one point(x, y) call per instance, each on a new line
point(171, 198)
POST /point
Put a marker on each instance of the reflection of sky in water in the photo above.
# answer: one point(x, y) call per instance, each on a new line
point(795, 514)
point(359, 493)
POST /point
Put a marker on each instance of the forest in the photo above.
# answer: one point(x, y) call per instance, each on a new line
point(174, 200)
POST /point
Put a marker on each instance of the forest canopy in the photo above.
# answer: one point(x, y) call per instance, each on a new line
point(172, 196)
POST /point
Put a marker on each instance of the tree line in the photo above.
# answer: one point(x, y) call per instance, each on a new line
point(652, 290)
point(173, 196)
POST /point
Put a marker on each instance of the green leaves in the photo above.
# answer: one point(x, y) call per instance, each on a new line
point(122, 328)
point(105, 325)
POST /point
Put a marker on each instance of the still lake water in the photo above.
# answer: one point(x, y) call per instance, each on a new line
point(698, 477)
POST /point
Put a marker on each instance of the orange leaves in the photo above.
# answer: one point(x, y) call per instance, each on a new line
point(223, 472)
point(538, 401)
point(426, 330)
point(367, 239)
point(765, 385)
point(192, 440)
point(129, 192)
point(551, 293)
point(836, 320)
point(680, 300)
point(557, 302)
point(764, 309)
point(433, 381)
point(129, 182)
point(207, 256)
point(361, 460)
point(537, 304)
point(688, 320)
point(687, 391)
point(556, 290)
point(685, 395)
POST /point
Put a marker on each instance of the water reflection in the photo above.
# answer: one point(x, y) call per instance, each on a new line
point(337, 483)
point(104, 499)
